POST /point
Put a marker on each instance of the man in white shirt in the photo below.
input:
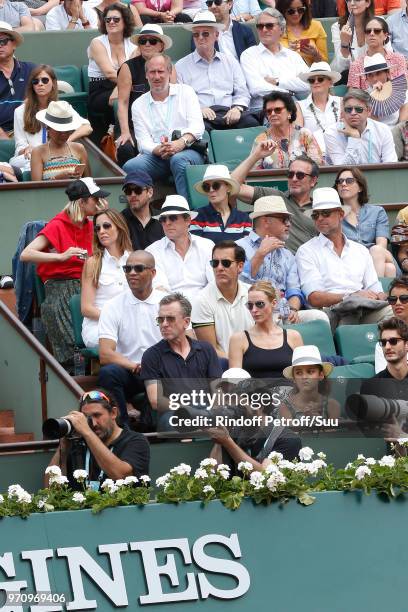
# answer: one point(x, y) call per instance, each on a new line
point(360, 140)
point(269, 66)
point(182, 259)
point(127, 327)
point(167, 122)
point(235, 37)
point(71, 15)
point(338, 274)
point(217, 78)
point(220, 308)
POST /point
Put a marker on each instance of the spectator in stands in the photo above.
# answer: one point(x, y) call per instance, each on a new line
point(217, 78)
point(220, 220)
point(7, 173)
point(377, 74)
point(302, 177)
point(376, 36)
point(58, 158)
point(400, 135)
point(176, 362)
point(245, 10)
point(99, 8)
point(365, 224)
point(269, 66)
point(235, 37)
point(42, 88)
point(102, 276)
point(109, 451)
point(338, 274)
point(348, 34)
point(320, 109)
point(303, 34)
point(164, 11)
point(14, 77)
point(182, 259)
point(398, 27)
point(266, 349)
point(267, 259)
point(285, 139)
point(60, 250)
point(359, 139)
point(18, 16)
point(71, 15)
point(143, 229)
point(382, 7)
point(398, 300)
point(127, 327)
point(166, 145)
point(220, 309)
point(106, 54)
point(192, 7)
point(132, 83)
point(399, 243)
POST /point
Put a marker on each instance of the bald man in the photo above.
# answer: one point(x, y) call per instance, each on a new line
point(127, 327)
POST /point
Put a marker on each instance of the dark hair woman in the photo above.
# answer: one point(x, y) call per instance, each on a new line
point(348, 34)
point(303, 34)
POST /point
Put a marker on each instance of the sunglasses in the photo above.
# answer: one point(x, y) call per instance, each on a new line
point(283, 218)
point(277, 110)
point(358, 109)
point(201, 34)
point(259, 305)
point(136, 189)
point(267, 26)
point(42, 80)
point(168, 318)
point(114, 19)
point(373, 30)
point(323, 213)
point(151, 41)
point(299, 175)
point(226, 263)
point(209, 3)
point(393, 299)
point(350, 180)
point(172, 218)
point(391, 341)
point(4, 41)
point(138, 268)
point(319, 79)
point(208, 186)
point(105, 226)
point(300, 10)
point(93, 396)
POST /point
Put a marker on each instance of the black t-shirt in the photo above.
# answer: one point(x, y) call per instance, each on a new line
point(383, 384)
point(140, 236)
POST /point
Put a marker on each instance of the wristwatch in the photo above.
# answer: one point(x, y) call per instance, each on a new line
point(73, 21)
point(186, 142)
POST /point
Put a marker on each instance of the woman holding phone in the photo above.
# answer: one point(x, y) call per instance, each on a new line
point(303, 34)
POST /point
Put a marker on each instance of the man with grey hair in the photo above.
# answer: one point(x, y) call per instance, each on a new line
point(357, 139)
point(176, 364)
point(269, 66)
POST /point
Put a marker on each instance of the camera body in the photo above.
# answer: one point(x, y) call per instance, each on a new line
point(55, 429)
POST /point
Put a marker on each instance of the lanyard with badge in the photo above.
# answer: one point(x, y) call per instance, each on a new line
point(157, 125)
point(94, 484)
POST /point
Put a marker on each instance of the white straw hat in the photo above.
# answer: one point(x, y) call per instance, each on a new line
point(269, 205)
point(307, 355)
point(204, 19)
point(5, 28)
point(217, 172)
point(156, 31)
point(59, 116)
point(176, 205)
point(326, 198)
point(321, 69)
point(375, 63)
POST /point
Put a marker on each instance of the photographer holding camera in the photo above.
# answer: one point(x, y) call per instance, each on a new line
point(92, 440)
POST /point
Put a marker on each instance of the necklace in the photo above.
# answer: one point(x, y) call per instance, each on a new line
point(334, 110)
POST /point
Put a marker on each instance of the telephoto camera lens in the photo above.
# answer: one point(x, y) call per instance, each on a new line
point(56, 428)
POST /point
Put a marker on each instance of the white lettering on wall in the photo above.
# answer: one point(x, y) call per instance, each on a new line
point(38, 559)
point(7, 565)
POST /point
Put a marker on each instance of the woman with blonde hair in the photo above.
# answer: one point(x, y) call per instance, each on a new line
point(103, 276)
point(265, 349)
point(59, 251)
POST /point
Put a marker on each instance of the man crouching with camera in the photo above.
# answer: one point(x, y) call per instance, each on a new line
point(92, 440)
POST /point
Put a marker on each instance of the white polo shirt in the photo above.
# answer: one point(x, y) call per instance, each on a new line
point(131, 323)
point(211, 308)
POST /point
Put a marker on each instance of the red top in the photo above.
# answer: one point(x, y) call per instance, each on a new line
point(62, 233)
point(381, 6)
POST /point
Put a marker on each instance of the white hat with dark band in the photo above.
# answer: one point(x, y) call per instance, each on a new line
point(176, 205)
point(375, 63)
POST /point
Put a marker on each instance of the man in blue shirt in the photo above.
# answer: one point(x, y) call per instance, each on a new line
point(398, 26)
point(13, 77)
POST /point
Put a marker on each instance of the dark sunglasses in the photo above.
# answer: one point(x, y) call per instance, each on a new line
point(93, 396)
point(114, 19)
point(299, 175)
point(319, 79)
point(42, 80)
point(391, 341)
point(324, 213)
point(393, 299)
point(358, 109)
point(267, 26)
point(226, 263)
point(349, 180)
point(283, 218)
point(171, 218)
point(136, 189)
point(151, 41)
point(277, 110)
point(373, 30)
point(139, 268)
point(209, 3)
point(208, 186)
point(169, 319)
point(201, 34)
point(105, 226)
point(4, 41)
point(259, 305)
point(292, 11)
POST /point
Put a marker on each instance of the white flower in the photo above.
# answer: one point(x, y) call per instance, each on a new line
point(41, 504)
point(245, 466)
point(208, 462)
point(321, 455)
point(80, 475)
point(360, 457)
point(319, 464)
point(162, 480)
point(257, 480)
point(222, 467)
point(59, 480)
point(285, 464)
point(24, 497)
point(315, 466)
point(362, 472)
point(387, 461)
point(120, 482)
point(224, 474)
point(14, 490)
point(181, 470)
point(370, 461)
point(109, 485)
point(144, 478)
point(131, 480)
point(208, 489)
point(348, 466)
point(403, 441)
point(200, 473)
point(274, 480)
point(301, 467)
point(17, 492)
point(306, 453)
point(1, 499)
point(54, 470)
point(78, 498)
point(275, 457)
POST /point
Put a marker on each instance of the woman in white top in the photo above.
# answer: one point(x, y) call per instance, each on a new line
point(42, 88)
point(103, 277)
point(348, 33)
point(106, 54)
point(398, 300)
point(320, 109)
